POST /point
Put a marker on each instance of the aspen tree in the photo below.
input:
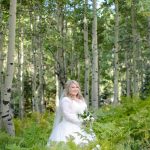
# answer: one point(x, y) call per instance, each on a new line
point(41, 80)
point(128, 80)
point(116, 50)
point(21, 77)
point(6, 112)
point(1, 66)
point(95, 84)
point(134, 61)
point(86, 54)
point(148, 62)
point(60, 64)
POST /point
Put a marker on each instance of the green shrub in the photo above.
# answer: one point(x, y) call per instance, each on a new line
point(125, 126)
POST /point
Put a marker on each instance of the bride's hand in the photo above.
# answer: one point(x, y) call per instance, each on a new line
point(84, 123)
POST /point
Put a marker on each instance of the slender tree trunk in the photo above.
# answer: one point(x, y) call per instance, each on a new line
point(21, 78)
point(1, 83)
point(134, 34)
point(60, 67)
point(34, 91)
point(57, 92)
point(38, 71)
point(1, 96)
point(35, 87)
point(1, 66)
point(78, 69)
point(128, 82)
point(20, 86)
point(86, 55)
point(41, 80)
point(72, 60)
point(139, 63)
point(116, 50)
point(32, 57)
point(95, 84)
point(6, 113)
point(148, 62)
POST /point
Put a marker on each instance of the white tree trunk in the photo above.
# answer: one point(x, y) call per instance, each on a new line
point(60, 66)
point(78, 69)
point(6, 113)
point(95, 84)
point(134, 35)
point(1, 83)
point(72, 60)
point(148, 61)
point(128, 81)
point(57, 92)
point(1, 86)
point(41, 79)
point(21, 78)
point(35, 87)
point(32, 58)
point(116, 50)
point(86, 55)
point(34, 77)
point(1, 67)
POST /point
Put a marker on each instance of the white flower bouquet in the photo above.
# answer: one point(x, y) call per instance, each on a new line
point(88, 120)
point(86, 116)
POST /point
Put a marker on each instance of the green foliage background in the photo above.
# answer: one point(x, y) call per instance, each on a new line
point(123, 127)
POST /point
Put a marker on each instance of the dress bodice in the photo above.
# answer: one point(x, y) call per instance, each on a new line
point(71, 108)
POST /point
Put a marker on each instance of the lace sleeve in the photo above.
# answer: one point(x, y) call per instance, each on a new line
point(67, 113)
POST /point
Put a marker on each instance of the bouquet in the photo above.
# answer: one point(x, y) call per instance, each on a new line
point(88, 120)
point(86, 116)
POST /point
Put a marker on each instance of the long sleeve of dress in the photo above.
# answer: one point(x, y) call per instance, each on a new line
point(68, 113)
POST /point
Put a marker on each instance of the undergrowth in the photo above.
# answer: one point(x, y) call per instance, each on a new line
point(122, 127)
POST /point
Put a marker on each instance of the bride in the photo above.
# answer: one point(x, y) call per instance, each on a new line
point(68, 124)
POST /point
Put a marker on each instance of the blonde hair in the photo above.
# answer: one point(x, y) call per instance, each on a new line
point(67, 87)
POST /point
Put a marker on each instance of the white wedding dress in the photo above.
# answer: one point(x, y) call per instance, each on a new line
point(70, 124)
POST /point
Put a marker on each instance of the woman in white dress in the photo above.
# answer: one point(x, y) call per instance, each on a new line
point(69, 124)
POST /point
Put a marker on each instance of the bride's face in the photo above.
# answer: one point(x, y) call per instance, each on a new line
point(74, 89)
